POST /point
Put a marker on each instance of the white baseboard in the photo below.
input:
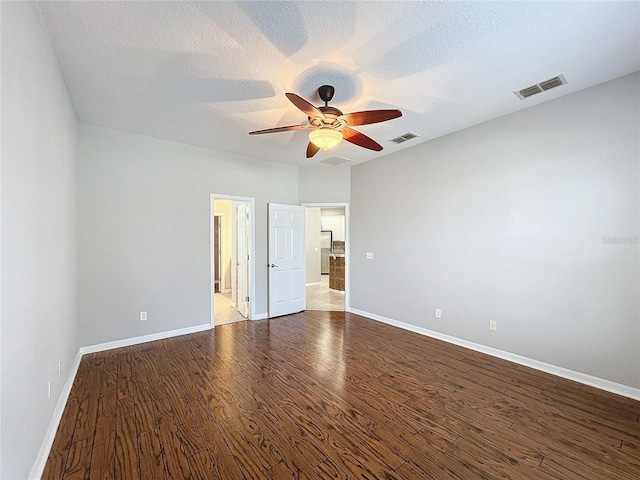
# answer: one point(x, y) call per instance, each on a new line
point(45, 448)
point(261, 316)
point(601, 383)
point(126, 342)
point(312, 284)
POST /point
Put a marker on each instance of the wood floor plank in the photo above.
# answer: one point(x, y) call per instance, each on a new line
point(57, 460)
point(292, 457)
point(282, 472)
point(241, 450)
point(337, 452)
point(79, 459)
point(151, 461)
point(127, 465)
point(88, 408)
point(125, 374)
point(220, 454)
point(103, 459)
point(323, 395)
point(376, 462)
point(190, 437)
point(54, 468)
point(328, 469)
point(201, 467)
point(143, 409)
point(175, 460)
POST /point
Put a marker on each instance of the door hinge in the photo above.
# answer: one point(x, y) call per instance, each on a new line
point(246, 299)
point(247, 216)
point(247, 257)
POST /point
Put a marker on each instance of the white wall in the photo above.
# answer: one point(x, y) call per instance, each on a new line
point(38, 213)
point(143, 229)
point(324, 184)
point(312, 222)
point(511, 220)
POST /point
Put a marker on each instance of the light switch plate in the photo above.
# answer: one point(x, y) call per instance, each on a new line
point(369, 256)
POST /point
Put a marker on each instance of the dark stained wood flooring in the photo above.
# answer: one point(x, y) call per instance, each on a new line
point(333, 395)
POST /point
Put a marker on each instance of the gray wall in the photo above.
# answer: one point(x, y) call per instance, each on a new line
point(38, 208)
point(324, 184)
point(512, 220)
point(143, 229)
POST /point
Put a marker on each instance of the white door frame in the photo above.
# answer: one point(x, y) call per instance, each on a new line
point(241, 240)
point(252, 251)
point(220, 236)
point(347, 243)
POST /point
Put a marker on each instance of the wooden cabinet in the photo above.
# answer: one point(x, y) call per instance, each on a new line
point(336, 272)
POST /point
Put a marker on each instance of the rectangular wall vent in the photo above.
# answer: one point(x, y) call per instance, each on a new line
point(541, 87)
point(403, 138)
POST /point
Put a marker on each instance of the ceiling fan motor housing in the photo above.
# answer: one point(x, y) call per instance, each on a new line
point(326, 93)
point(330, 118)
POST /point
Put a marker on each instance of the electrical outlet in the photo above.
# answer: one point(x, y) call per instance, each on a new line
point(60, 368)
point(438, 313)
point(369, 255)
point(143, 316)
point(493, 325)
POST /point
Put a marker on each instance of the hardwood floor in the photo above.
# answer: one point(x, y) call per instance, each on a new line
point(333, 395)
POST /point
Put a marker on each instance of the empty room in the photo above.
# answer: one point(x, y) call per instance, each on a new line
point(313, 240)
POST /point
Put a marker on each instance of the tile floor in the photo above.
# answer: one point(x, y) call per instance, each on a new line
point(224, 313)
point(319, 297)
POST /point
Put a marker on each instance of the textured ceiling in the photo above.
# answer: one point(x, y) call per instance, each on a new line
point(207, 73)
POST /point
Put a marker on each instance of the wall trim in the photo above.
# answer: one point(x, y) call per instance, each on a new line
point(47, 442)
point(600, 383)
point(261, 316)
point(126, 342)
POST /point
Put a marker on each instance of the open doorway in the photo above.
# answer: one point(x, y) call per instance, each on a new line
point(327, 256)
point(232, 259)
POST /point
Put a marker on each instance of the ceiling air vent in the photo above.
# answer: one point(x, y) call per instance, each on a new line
point(335, 161)
point(541, 87)
point(404, 138)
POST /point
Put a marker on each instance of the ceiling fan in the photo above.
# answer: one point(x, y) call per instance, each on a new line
point(329, 125)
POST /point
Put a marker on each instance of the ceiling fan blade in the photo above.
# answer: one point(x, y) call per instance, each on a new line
point(370, 116)
point(360, 139)
point(280, 129)
point(303, 105)
point(312, 150)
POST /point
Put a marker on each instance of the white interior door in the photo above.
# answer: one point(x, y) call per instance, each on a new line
point(287, 263)
point(242, 259)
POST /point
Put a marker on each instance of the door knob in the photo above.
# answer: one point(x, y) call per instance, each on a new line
point(273, 265)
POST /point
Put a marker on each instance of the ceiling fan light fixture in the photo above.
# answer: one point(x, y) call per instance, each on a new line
point(325, 137)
